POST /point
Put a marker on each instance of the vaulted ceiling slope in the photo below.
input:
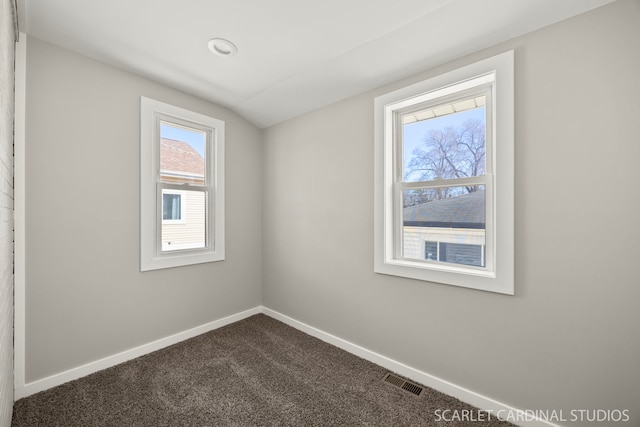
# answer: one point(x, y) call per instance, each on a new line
point(293, 55)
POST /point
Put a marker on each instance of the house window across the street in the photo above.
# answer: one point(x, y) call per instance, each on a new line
point(444, 178)
point(457, 253)
point(182, 187)
point(172, 206)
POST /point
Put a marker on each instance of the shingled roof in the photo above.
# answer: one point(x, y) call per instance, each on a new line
point(467, 211)
point(180, 157)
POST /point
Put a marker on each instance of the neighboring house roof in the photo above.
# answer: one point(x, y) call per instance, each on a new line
point(180, 158)
point(465, 211)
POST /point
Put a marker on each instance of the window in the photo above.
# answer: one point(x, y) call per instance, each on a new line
point(444, 178)
point(181, 187)
point(457, 253)
point(172, 206)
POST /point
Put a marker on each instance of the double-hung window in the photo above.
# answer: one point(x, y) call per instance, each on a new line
point(181, 187)
point(444, 178)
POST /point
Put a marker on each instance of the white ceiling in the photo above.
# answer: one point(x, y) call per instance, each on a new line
point(293, 55)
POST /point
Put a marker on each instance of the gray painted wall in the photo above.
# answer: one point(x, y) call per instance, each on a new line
point(569, 337)
point(7, 55)
point(85, 296)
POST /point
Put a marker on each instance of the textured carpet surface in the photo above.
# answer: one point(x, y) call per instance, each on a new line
point(256, 372)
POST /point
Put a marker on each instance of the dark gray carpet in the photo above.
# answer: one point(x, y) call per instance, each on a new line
point(256, 372)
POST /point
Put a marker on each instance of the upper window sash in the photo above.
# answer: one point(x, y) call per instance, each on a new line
point(484, 86)
point(208, 177)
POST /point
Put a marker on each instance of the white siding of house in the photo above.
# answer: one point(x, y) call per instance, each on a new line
point(190, 232)
point(7, 44)
point(415, 238)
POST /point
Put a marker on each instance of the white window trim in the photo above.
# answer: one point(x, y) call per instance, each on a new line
point(151, 255)
point(500, 194)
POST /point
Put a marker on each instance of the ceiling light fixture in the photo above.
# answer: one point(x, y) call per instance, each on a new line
point(222, 47)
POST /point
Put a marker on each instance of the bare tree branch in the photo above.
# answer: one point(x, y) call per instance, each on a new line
point(452, 152)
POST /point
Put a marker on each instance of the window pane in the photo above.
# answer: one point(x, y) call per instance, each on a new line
point(182, 154)
point(171, 207)
point(190, 232)
point(431, 250)
point(461, 253)
point(444, 142)
point(444, 224)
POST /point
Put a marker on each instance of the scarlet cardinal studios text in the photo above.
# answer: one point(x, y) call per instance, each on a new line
point(553, 415)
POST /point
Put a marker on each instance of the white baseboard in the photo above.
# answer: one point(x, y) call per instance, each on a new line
point(476, 399)
point(107, 362)
point(513, 415)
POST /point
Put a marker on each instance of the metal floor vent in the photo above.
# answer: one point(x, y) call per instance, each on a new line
point(401, 383)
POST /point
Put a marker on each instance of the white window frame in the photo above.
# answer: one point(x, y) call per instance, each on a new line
point(152, 257)
point(498, 276)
